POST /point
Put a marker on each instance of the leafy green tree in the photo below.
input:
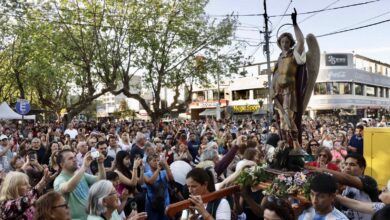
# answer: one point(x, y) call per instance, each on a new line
point(87, 48)
point(179, 47)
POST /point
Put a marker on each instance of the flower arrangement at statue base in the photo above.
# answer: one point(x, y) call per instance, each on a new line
point(287, 185)
point(293, 186)
point(253, 176)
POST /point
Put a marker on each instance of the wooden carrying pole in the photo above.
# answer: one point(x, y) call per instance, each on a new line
point(172, 209)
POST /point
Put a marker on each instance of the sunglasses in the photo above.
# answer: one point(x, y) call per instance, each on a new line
point(274, 200)
point(314, 145)
point(61, 206)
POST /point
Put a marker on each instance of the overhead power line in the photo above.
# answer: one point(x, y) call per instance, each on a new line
point(308, 17)
point(329, 9)
point(363, 21)
point(281, 18)
point(302, 13)
point(352, 29)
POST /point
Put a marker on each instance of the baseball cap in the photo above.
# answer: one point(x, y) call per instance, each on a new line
point(3, 137)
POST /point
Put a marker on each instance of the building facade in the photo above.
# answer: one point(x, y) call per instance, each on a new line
point(351, 84)
point(239, 98)
point(347, 83)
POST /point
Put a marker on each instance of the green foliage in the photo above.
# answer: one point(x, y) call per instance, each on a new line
point(253, 176)
point(57, 49)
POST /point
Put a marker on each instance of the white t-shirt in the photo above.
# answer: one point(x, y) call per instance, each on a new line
point(112, 152)
point(72, 133)
point(125, 147)
point(240, 164)
point(223, 211)
point(328, 144)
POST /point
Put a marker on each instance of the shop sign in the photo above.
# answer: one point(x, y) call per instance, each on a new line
point(245, 108)
point(208, 104)
point(336, 59)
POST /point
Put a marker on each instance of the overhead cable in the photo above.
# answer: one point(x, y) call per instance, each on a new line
point(352, 29)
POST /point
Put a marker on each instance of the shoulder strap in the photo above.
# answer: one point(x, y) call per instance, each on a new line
point(212, 207)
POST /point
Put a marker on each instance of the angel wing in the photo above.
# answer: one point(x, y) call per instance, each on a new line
point(312, 66)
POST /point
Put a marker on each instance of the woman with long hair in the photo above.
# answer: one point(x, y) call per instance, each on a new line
point(200, 182)
point(339, 151)
point(51, 206)
point(17, 197)
point(53, 146)
point(128, 179)
point(312, 148)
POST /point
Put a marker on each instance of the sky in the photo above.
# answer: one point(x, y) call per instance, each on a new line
point(372, 42)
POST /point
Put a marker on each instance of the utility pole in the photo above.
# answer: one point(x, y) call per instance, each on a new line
point(266, 49)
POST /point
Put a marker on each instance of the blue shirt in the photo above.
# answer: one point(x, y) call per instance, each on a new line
point(150, 189)
point(357, 142)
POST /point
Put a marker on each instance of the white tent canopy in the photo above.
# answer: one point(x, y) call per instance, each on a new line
point(7, 113)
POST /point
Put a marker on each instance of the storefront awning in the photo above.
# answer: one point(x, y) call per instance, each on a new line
point(209, 112)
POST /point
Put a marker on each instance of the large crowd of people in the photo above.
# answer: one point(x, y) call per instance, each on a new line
point(134, 169)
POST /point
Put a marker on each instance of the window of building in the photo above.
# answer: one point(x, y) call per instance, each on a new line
point(336, 88)
point(387, 92)
point(382, 92)
point(260, 93)
point(358, 89)
point(241, 94)
point(371, 91)
point(320, 89)
point(345, 88)
point(221, 94)
point(198, 96)
point(329, 88)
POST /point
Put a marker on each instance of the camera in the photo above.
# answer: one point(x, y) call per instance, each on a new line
point(95, 154)
point(133, 205)
point(32, 157)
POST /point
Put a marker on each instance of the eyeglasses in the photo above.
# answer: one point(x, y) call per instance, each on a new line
point(314, 145)
point(322, 155)
point(61, 206)
point(275, 200)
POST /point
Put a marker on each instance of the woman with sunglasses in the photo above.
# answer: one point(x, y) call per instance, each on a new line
point(324, 158)
point(51, 206)
point(367, 207)
point(312, 148)
point(277, 208)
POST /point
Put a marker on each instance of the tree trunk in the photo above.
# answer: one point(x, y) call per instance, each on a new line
point(20, 85)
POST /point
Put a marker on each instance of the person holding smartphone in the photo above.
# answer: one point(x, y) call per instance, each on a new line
point(5, 153)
